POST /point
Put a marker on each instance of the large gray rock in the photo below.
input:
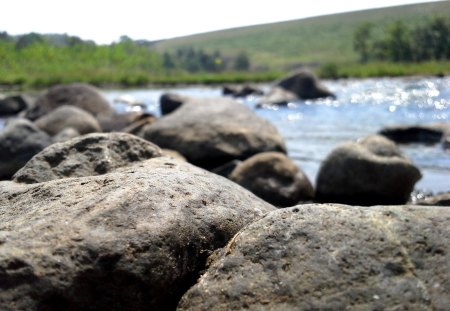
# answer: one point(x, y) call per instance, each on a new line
point(68, 117)
point(211, 132)
point(369, 172)
point(275, 178)
point(134, 239)
point(80, 95)
point(20, 140)
point(332, 257)
point(87, 155)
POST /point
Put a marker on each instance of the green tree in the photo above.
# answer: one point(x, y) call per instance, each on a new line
point(242, 62)
point(362, 41)
point(399, 43)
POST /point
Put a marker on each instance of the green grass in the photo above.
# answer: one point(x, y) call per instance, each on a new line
point(317, 40)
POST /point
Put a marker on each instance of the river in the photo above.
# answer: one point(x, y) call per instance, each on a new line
point(313, 128)
point(363, 106)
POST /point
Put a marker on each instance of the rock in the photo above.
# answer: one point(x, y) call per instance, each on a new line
point(170, 102)
point(305, 85)
point(332, 257)
point(88, 155)
point(299, 85)
point(82, 96)
point(275, 178)
point(173, 154)
point(381, 146)
point(133, 239)
point(241, 90)
point(226, 169)
point(20, 140)
point(441, 199)
point(68, 116)
point(212, 132)
point(120, 122)
point(65, 135)
point(360, 174)
point(277, 97)
point(14, 104)
point(138, 124)
point(446, 142)
point(427, 134)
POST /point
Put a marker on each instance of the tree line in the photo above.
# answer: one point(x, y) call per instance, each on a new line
point(399, 42)
point(60, 57)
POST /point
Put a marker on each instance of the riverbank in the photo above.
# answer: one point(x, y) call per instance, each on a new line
point(107, 78)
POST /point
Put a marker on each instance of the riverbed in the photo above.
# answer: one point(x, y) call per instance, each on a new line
point(364, 106)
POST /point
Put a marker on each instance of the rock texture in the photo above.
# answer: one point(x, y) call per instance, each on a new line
point(133, 239)
point(20, 140)
point(211, 132)
point(82, 96)
point(87, 155)
point(332, 257)
point(68, 117)
point(370, 172)
point(275, 178)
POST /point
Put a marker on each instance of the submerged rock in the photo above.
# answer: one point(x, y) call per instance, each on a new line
point(427, 134)
point(332, 257)
point(87, 155)
point(241, 90)
point(133, 239)
point(369, 172)
point(300, 85)
point(212, 132)
point(80, 95)
point(20, 140)
point(275, 178)
point(68, 116)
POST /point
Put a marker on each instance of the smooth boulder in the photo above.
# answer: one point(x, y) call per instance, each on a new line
point(68, 117)
point(133, 239)
point(212, 132)
point(80, 95)
point(20, 140)
point(275, 178)
point(332, 257)
point(87, 155)
point(369, 172)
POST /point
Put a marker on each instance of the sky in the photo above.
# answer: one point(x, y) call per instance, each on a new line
point(105, 21)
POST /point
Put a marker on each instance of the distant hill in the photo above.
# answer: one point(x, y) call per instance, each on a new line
point(316, 40)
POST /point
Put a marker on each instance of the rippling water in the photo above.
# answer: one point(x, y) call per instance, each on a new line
point(313, 128)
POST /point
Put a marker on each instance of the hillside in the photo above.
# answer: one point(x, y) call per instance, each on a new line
point(314, 40)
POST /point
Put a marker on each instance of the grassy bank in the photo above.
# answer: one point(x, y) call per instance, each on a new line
point(129, 79)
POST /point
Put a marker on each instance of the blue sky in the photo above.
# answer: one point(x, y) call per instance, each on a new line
point(106, 21)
